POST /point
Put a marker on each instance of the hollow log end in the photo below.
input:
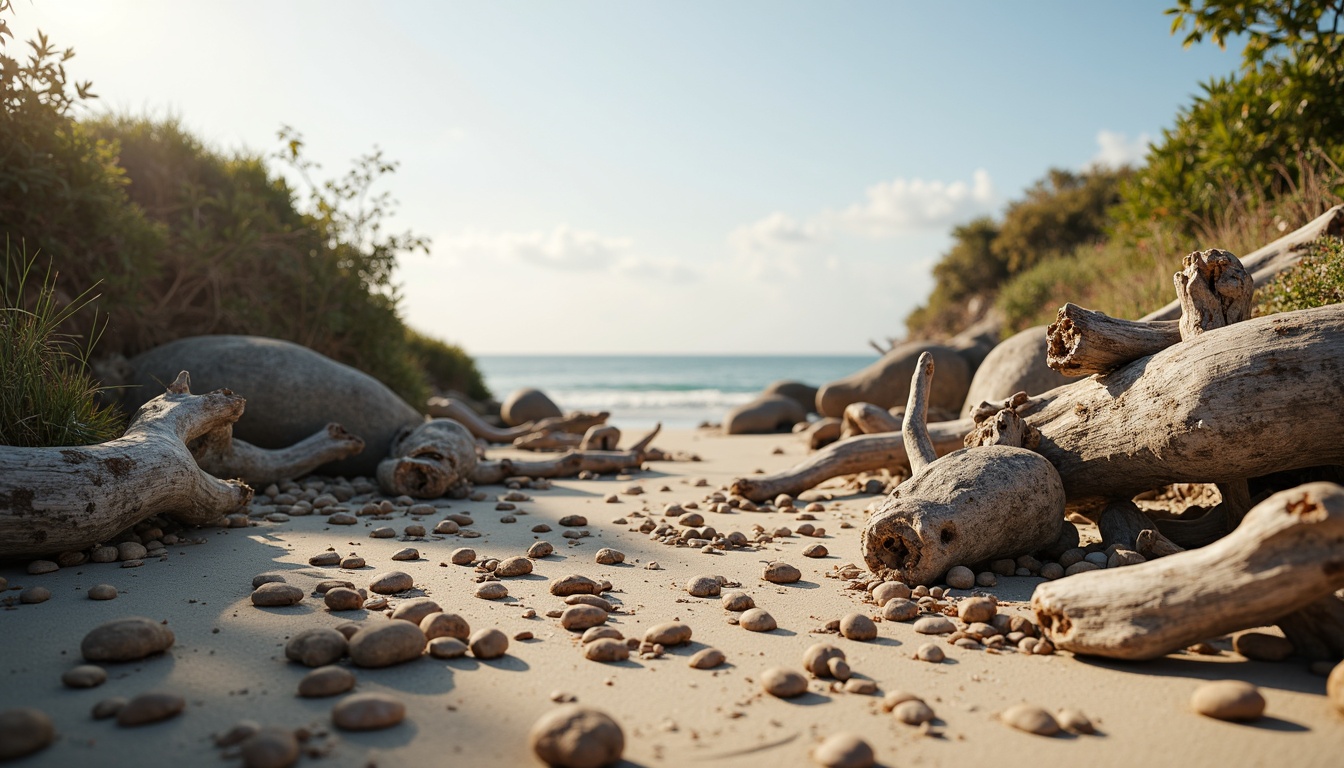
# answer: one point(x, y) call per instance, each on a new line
point(415, 477)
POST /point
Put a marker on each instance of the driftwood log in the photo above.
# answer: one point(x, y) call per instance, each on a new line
point(1287, 554)
point(438, 458)
point(822, 432)
point(972, 505)
point(1018, 364)
point(59, 499)
point(575, 422)
point(222, 455)
point(1236, 402)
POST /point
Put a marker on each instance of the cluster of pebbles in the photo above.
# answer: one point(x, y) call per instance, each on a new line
point(572, 735)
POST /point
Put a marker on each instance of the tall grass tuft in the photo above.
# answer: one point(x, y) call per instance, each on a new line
point(47, 397)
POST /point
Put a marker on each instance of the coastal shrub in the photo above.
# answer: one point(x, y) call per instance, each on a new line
point(47, 397)
point(447, 367)
point(1315, 281)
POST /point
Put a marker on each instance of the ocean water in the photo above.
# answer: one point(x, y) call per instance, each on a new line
point(681, 391)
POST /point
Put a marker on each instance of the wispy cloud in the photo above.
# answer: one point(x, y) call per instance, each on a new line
point(564, 249)
point(889, 208)
point(1117, 149)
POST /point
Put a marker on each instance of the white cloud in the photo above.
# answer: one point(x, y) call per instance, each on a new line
point(1117, 149)
point(562, 248)
point(908, 205)
point(895, 207)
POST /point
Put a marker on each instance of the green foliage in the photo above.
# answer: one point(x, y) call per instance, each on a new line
point(1275, 29)
point(447, 367)
point(47, 397)
point(1315, 281)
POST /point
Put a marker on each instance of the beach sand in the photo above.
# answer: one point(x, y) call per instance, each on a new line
point(229, 664)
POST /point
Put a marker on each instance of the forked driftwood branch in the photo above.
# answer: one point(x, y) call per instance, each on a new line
point(1287, 554)
point(59, 499)
point(222, 455)
point(575, 423)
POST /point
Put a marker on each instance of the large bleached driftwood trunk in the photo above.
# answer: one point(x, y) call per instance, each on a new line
point(1234, 402)
point(1287, 554)
point(58, 499)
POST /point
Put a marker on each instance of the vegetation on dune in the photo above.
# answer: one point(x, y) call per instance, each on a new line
point(1256, 154)
point(1315, 281)
point(186, 240)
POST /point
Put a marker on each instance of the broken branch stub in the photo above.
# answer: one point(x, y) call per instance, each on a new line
point(59, 499)
point(1287, 553)
point(914, 427)
point(222, 455)
point(1082, 341)
point(432, 460)
point(1214, 290)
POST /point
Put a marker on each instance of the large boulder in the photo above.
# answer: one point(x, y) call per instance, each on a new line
point(886, 383)
point(528, 404)
point(803, 394)
point(291, 392)
point(765, 414)
point(1016, 365)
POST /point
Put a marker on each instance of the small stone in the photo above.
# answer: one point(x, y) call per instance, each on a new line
point(127, 639)
point(592, 600)
point(608, 556)
point(415, 609)
point(462, 556)
point(960, 577)
point(540, 549)
point(24, 731)
point(40, 567)
point(890, 590)
point(816, 550)
point(573, 521)
point(492, 590)
point(84, 676)
point(103, 555)
point(316, 647)
point(706, 658)
point(386, 643)
point(780, 572)
point(580, 617)
point(856, 626)
point(934, 625)
point(817, 658)
point(34, 595)
point(986, 579)
point(757, 620)
point(391, 582)
point(974, 609)
point(861, 686)
point(1030, 718)
point(839, 669)
point(573, 736)
point(488, 643)
point(151, 707)
point(326, 681)
point(102, 592)
point(108, 707)
point(784, 683)
point(343, 599)
point(913, 712)
point(408, 553)
point(437, 625)
point(899, 609)
point(600, 632)
point(352, 562)
point(242, 731)
point(668, 634)
point(1259, 646)
point(930, 653)
point(513, 566)
point(1334, 688)
point(447, 648)
point(1081, 567)
point(703, 586)
point(367, 712)
point(691, 520)
point(414, 531)
point(342, 518)
point(606, 649)
point(325, 558)
point(386, 532)
point(1052, 571)
point(444, 528)
point(736, 601)
point(276, 595)
point(131, 550)
point(844, 750)
point(1074, 721)
point(271, 747)
point(573, 584)
point(1228, 700)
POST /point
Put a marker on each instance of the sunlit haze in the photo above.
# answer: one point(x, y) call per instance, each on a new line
point(607, 177)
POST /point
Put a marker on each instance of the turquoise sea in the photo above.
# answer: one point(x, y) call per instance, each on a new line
point(681, 391)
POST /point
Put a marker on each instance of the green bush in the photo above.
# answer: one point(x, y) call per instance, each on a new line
point(47, 397)
point(1315, 281)
point(447, 367)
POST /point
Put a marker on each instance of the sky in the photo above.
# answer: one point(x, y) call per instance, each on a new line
point(682, 176)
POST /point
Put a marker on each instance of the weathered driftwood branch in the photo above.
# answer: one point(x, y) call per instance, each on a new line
point(1287, 554)
point(548, 441)
point(220, 454)
point(823, 432)
point(1266, 262)
point(1003, 426)
point(1236, 402)
point(868, 419)
point(603, 437)
point(568, 465)
point(972, 505)
point(1214, 290)
point(1082, 342)
point(58, 499)
point(575, 422)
